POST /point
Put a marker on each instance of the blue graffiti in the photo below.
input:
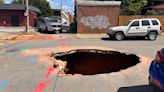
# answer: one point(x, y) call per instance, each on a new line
point(32, 59)
point(29, 59)
point(3, 84)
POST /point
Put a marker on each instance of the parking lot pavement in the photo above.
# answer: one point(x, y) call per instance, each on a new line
point(11, 32)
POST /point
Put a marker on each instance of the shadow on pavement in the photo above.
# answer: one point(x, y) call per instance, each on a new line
point(52, 32)
point(142, 88)
point(127, 39)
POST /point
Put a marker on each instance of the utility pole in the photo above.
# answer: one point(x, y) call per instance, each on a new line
point(61, 14)
point(27, 14)
point(23, 2)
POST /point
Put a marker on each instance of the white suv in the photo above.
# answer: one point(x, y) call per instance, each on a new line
point(147, 27)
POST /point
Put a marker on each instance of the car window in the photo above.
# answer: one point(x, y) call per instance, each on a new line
point(145, 23)
point(154, 22)
point(42, 20)
point(135, 23)
point(52, 20)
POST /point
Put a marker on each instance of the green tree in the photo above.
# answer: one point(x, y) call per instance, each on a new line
point(1, 1)
point(150, 2)
point(17, 2)
point(133, 7)
point(43, 5)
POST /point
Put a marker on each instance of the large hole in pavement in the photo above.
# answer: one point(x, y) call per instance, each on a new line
point(93, 61)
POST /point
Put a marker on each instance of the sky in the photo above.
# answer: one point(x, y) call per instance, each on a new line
point(68, 5)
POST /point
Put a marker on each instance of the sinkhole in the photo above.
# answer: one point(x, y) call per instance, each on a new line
point(94, 61)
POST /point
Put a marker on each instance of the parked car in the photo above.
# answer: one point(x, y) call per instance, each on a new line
point(147, 27)
point(49, 24)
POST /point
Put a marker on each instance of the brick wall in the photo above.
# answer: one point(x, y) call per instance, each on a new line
point(97, 19)
point(6, 16)
point(33, 18)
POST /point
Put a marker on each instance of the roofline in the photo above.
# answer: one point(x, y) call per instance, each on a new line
point(31, 8)
point(98, 3)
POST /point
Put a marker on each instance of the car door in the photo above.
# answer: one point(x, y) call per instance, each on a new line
point(134, 29)
point(146, 26)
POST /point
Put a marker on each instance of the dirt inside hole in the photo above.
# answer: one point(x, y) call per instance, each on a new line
point(93, 61)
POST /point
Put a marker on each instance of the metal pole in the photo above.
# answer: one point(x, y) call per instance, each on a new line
point(27, 14)
point(61, 14)
point(23, 2)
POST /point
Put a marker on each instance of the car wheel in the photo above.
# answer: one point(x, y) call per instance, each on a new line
point(39, 30)
point(119, 36)
point(46, 29)
point(152, 36)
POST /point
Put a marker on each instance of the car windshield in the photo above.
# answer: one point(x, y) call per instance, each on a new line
point(52, 20)
point(127, 23)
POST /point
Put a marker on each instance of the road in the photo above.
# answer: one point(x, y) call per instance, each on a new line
point(25, 73)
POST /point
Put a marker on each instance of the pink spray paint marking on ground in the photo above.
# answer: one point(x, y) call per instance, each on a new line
point(62, 42)
point(49, 72)
point(42, 85)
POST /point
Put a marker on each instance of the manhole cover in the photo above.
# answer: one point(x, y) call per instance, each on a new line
point(93, 61)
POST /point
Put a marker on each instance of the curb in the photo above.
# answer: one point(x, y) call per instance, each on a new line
point(91, 36)
point(9, 37)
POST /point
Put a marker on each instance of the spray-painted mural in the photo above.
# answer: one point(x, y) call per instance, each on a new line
point(98, 21)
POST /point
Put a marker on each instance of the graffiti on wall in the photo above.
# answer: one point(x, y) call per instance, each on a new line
point(98, 21)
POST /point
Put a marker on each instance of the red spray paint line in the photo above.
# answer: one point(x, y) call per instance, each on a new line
point(49, 72)
point(42, 85)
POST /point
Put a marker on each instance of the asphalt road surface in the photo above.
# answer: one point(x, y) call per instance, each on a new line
point(25, 74)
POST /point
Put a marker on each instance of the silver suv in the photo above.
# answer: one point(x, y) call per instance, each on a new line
point(147, 27)
point(49, 24)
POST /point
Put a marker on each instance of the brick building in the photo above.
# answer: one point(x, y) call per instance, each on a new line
point(13, 15)
point(96, 16)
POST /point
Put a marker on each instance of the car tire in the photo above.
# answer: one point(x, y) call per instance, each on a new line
point(39, 30)
point(119, 36)
point(46, 30)
point(152, 36)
